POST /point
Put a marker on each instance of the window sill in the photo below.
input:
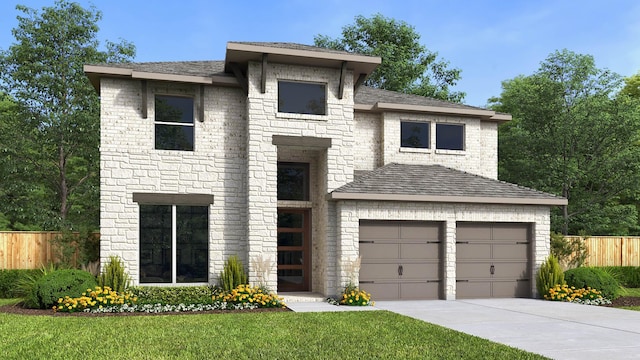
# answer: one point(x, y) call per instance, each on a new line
point(292, 116)
point(415, 150)
point(451, 152)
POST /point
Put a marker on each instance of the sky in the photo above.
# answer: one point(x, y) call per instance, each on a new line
point(489, 40)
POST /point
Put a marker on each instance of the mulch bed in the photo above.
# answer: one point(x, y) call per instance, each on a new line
point(625, 301)
point(17, 309)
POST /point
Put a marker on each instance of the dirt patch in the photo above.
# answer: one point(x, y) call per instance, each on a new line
point(17, 309)
point(625, 301)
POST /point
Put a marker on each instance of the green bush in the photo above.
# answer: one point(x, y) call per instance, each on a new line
point(627, 276)
point(233, 274)
point(571, 253)
point(114, 275)
point(549, 275)
point(595, 278)
point(61, 283)
point(174, 295)
point(10, 281)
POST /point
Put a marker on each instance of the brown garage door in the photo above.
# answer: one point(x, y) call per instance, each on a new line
point(401, 259)
point(492, 260)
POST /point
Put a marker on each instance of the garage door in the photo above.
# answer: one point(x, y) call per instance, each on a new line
point(492, 260)
point(401, 259)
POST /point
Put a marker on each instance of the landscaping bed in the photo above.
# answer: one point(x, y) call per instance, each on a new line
point(624, 301)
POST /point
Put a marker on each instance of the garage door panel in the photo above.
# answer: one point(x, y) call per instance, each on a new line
point(473, 251)
point(378, 230)
point(510, 232)
point(420, 251)
point(425, 271)
point(473, 270)
point(379, 251)
point(419, 291)
point(382, 290)
point(411, 230)
point(516, 270)
point(472, 232)
point(473, 289)
point(511, 289)
point(378, 271)
point(510, 251)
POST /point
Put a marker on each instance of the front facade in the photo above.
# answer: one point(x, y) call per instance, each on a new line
point(280, 156)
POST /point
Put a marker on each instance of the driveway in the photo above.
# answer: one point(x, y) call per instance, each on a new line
point(554, 329)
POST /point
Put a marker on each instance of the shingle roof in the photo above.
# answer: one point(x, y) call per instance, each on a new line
point(193, 68)
point(295, 46)
point(369, 96)
point(440, 184)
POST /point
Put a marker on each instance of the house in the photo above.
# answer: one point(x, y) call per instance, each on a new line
point(280, 155)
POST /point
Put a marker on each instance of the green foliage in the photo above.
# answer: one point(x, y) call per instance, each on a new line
point(572, 137)
point(407, 65)
point(73, 248)
point(627, 276)
point(352, 296)
point(174, 295)
point(233, 274)
point(569, 252)
point(595, 278)
point(61, 283)
point(27, 286)
point(10, 280)
point(114, 275)
point(549, 275)
point(49, 128)
point(93, 299)
point(247, 294)
point(632, 86)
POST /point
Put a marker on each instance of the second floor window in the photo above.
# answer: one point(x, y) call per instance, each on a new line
point(450, 136)
point(174, 123)
point(414, 135)
point(302, 98)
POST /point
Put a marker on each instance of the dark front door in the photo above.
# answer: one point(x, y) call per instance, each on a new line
point(294, 252)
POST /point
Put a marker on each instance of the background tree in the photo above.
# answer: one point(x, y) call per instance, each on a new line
point(632, 86)
point(570, 135)
point(407, 66)
point(50, 141)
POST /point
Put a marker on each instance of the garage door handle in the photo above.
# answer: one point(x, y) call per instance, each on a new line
point(492, 269)
point(400, 270)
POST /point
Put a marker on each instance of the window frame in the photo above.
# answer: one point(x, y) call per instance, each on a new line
point(157, 122)
point(427, 124)
point(325, 109)
point(174, 281)
point(462, 137)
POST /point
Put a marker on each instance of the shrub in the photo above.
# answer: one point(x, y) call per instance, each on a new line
point(549, 275)
point(571, 253)
point(233, 274)
point(627, 276)
point(10, 280)
point(174, 295)
point(587, 296)
point(61, 283)
point(114, 275)
point(353, 296)
point(72, 248)
point(595, 278)
point(27, 286)
point(97, 298)
point(247, 294)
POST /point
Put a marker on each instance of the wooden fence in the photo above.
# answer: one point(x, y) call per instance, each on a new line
point(26, 249)
point(612, 250)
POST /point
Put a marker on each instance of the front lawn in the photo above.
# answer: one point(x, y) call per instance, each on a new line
point(276, 335)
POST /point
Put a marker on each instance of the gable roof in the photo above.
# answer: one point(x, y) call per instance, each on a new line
point(436, 183)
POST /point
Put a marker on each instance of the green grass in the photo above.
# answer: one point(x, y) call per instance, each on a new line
point(630, 291)
point(282, 335)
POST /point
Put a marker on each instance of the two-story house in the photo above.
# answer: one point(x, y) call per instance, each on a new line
point(280, 155)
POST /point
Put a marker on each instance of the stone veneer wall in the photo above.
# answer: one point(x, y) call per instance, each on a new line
point(129, 163)
point(263, 121)
point(349, 214)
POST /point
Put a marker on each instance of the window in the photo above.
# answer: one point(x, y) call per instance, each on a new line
point(450, 136)
point(293, 181)
point(174, 244)
point(174, 123)
point(302, 98)
point(414, 135)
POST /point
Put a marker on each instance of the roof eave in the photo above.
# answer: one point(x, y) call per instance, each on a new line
point(447, 199)
point(483, 114)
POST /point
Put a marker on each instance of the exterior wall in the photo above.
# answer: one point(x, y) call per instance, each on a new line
point(479, 156)
point(335, 163)
point(367, 151)
point(351, 212)
point(129, 163)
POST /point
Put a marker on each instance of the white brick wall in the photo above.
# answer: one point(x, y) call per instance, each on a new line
point(351, 212)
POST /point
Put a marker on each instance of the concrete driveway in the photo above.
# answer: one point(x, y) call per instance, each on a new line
point(554, 329)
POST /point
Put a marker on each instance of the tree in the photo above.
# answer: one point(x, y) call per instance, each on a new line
point(632, 86)
point(50, 143)
point(407, 66)
point(570, 135)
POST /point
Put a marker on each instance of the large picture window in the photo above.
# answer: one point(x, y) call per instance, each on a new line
point(174, 244)
point(302, 98)
point(414, 134)
point(174, 123)
point(450, 136)
point(293, 181)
